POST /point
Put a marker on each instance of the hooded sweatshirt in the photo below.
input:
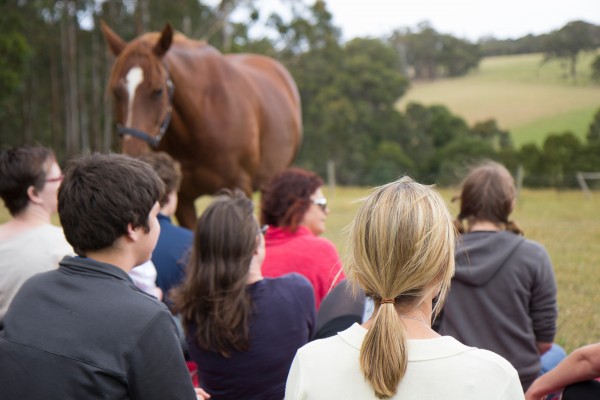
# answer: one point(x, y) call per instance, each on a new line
point(502, 298)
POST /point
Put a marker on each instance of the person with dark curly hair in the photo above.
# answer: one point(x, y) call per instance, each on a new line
point(295, 210)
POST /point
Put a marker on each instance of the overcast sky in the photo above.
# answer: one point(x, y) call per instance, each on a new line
point(470, 19)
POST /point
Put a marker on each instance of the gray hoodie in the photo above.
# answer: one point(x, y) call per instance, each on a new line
point(502, 298)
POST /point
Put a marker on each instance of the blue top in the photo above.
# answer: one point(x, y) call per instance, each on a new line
point(171, 254)
point(283, 321)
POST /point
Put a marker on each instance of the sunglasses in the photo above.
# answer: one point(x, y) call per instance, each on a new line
point(263, 229)
point(321, 202)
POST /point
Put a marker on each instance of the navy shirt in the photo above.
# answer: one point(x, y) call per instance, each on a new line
point(283, 321)
point(170, 256)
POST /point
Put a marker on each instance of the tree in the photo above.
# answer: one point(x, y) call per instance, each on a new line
point(593, 135)
point(431, 54)
point(596, 68)
point(569, 41)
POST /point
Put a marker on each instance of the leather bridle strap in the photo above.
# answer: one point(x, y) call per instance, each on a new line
point(153, 140)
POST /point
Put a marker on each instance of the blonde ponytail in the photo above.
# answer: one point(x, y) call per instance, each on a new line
point(383, 355)
point(401, 246)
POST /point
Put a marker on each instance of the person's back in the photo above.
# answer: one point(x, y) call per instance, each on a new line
point(242, 329)
point(439, 368)
point(280, 324)
point(490, 302)
point(400, 254)
point(84, 330)
point(503, 296)
point(29, 243)
point(70, 334)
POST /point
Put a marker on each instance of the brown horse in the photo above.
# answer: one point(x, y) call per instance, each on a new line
point(232, 121)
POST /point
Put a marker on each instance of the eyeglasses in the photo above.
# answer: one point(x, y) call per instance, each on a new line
point(57, 179)
point(321, 202)
point(264, 228)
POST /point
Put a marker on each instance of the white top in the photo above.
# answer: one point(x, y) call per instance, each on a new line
point(30, 252)
point(440, 368)
point(144, 278)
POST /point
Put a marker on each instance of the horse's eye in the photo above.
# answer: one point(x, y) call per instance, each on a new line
point(157, 93)
point(119, 95)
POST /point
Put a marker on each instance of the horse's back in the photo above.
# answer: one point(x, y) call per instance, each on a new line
point(281, 119)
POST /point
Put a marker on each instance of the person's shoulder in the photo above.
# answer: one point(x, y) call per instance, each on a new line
point(488, 360)
point(533, 246)
point(291, 280)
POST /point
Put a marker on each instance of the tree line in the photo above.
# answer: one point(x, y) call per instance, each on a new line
point(53, 90)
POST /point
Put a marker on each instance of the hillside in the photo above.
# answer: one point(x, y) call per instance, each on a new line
point(527, 97)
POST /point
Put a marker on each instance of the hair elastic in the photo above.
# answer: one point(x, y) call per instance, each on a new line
point(388, 301)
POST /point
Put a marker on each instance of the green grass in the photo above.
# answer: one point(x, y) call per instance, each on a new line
point(565, 222)
point(527, 97)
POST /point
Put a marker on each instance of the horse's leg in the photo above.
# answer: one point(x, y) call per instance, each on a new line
point(186, 213)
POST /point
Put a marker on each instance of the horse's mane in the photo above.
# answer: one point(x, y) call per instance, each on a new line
point(179, 39)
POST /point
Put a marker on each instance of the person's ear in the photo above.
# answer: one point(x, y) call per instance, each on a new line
point(132, 233)
point(33, 195)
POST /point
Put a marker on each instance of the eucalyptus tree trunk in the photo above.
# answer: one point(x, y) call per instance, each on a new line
point(142, 17)
point(69, 70)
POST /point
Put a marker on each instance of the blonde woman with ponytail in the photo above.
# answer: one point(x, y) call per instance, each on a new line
point(401, 249)
point(503, 295)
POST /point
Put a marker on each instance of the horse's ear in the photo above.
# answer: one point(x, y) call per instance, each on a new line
point(163, 44)
point(115, 43)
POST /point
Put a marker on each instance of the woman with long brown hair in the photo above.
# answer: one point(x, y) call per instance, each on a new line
point(242, 329)
point(503, 295)
point(401, 254)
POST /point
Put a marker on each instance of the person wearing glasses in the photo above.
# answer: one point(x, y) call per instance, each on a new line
point(242, 330)
point(295, 209)
point(29, 243)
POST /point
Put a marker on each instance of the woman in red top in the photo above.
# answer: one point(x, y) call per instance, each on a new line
point(295, 209)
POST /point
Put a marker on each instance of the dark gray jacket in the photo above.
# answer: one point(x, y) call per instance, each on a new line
point(502, 298)
point(84, 331)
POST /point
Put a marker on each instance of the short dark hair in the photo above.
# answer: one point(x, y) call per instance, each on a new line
point(101, 194)
point(20, 168)
point(168, 170)
point(287, 197)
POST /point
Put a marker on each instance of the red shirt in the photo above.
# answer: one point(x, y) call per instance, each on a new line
point(314, 257)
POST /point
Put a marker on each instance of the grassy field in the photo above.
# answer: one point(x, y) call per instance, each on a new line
point(565, 222)
point(527, 97)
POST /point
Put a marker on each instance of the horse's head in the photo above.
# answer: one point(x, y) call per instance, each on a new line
point(141, 88)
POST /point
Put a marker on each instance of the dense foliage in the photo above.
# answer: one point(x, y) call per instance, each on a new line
point(53, 88)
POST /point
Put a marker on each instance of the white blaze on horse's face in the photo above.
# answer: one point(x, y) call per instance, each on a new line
point(134, 77)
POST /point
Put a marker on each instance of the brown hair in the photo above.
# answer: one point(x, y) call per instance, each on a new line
point(168, 170)
point(488, 194)
point(214, 295)
point(287, 197)
point(101, 195)
point(20, 168)
point(401, 246)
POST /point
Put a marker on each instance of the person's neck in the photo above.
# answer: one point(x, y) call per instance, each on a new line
point(28, 219)
point(114, 257)
point(254, 274)
point(476, 226)
point(416, 320)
